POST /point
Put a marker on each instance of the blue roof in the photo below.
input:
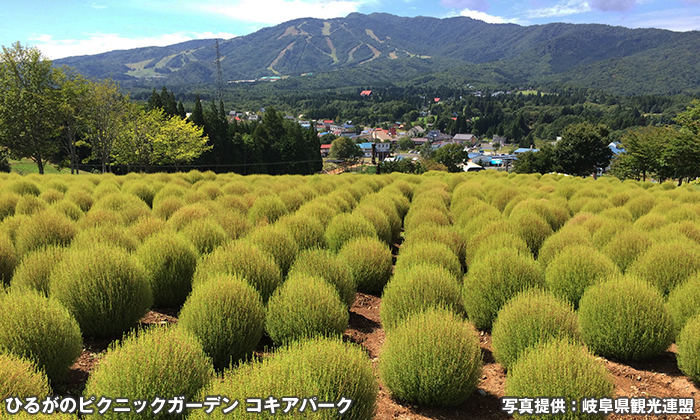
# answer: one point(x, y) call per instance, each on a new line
point(525, 149)
point(473, 155)
point(366, 145)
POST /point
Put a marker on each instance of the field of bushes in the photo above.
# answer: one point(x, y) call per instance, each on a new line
point(560, 271)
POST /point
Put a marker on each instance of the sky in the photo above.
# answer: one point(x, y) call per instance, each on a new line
point(64, 28)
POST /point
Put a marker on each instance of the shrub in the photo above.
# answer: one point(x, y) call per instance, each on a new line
point(141, 190)
point(329, 266)
point(563, 369)
point(34, 272)
point(347, 226)
point(626, 247)
point(494, 280)
point(447, 235)
point(41, 330)
point(441, 340)
point(395, 209)
point(575, 269)
point(20, 378)
point(170, 262)
point(166, 207)
point(684, 303)
point(227, 315)
point(69, 209)
point(640, 205)
point(323, 367)
point(533, 228)
point(688, 349)
point(104, 287)
point(29, 204)
point(278, 242)
point(256, 266)
point(305, 306)
point(423, 286)
point(625, 318)
point(266, 210)
point(108, 234)
point(44, 229)
point(8, 259)
point(529, 319)
point(23, 187)
point(650, 222)
point(428, 252)
point(561, 240)
point(100, 217)
point(425, 215)
point(189, 213)
point(8, 202)
point(307, 232)
point(51, 196)
point(494, 242)
point(205, 234)
point(320, 210)
point(379, 220)
point(146, 227)
point(370, 263)
point(81, 198)
point(136, 369)
point(129, 207)
point(666, 265)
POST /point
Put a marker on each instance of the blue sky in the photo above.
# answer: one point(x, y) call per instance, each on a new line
point(78, 27)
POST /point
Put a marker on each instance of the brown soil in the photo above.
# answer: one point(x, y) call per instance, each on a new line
point(659, 377)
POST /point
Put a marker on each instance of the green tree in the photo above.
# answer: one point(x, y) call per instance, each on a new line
point(197, 116)
point(543, 161)
point(583, 149)
point(452, 156)
point(107, 120)
point(643, 149)
point(405, 143)
point(74, 109)
point(179, 142)
point(29, 98)
point(345, 148)
point(680, 159)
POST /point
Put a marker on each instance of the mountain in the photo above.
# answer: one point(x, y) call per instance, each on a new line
point(365, 49)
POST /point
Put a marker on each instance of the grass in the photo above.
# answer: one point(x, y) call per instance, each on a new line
point(28, 166)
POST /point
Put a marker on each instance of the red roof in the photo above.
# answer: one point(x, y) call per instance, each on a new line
point(328, 121)
point(326, 146)
point(365, 93)
point(437, 99)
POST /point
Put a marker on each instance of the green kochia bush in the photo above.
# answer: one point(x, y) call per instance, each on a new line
point(44, 228)
point(8, 259)
point(34, 272)
point(307, 231)
point(626, 246)
point(205, 235)
point(419, 288)
point(576, 268)
point(529, 319)
point(494, 280)
point(39, 329)
point(20, 378)
point(278, 242)
point(303, 307)
point(170, 262)
point(684, 303)
point(562, 369)
point(105, 288)
point(347, 226)
point(429, 252)
point(688, 349)
point(161, 362)
point(666, 265)
point(370, 262)
point(625, 318)
point(227, 315)
point(432, 358)
point(328, 265)
point(326, 368)
point(256, 266)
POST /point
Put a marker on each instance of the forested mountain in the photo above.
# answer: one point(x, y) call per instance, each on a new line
point(367, 49)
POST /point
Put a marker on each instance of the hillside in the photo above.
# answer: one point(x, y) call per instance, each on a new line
point(382, 47)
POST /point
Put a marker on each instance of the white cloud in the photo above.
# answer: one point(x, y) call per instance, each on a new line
point(99, 43)
point(475, 14)
point(680, 20)
point(97, 6)
point(569, 7)
point(273, 12)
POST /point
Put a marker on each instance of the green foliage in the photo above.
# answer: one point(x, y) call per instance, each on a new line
point(308, 232)
point(562, 240)
point(303, 307)
point(444, 234)
point(684, 303)
point(346, 149)
point(266, 210)
point(379, 219)
point(109, 234)
point(529, 319)
point(104, 287)
point(422, 287)
point(441, 340)
point(278, 242)
point(329, 266)
point(136, 369)
point(625, 318)
point(345, 227)
point(667, 265)
point(20, 377)
point(626, 247)
point(370, 263)
point(452, 156)
point(205, 234)
point(256, 266)
point(170, 262)
point(34, 272)
point(688, 349)
point(561, 368)
point(327, 368)
point(428, 252)
point(43, 229)
point(8, 259)
point(39, 329)
point(227, 315)
point(576, 268)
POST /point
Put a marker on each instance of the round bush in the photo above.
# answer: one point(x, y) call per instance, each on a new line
point(205, 234)
point(625, 318)
point(666, 265)
point(370, 263)
point(8, 259)
point(438, 339)
point(227, 315)
point(136, 369)
point(41, 330)
point(8, 202)
point(170, 262)
point(43, 229)
point(256, 266)
point(445, 234)
point(494, 242)
point(189, 213)
point(129, 207)
point(306, 231)
point(576, 268)
point(428, 252)
point(278, 242)
point(81, 198)
point(494, 280)
point(347, 226)
point(23, 187)
point(529, 319)
point(562, 369)
point(426, 215)
point(20, 378)
point(533, 228)
point(626, 247)
point(166, 207)
point(379, 220)
point(266, 210)
point(104, 287)
point(68, 209)
point(423, 286)
point(570, 236)
point(327, 265)
point(29, 204)
point(146, 227)
point(684, 303)
point(326, 368)
point(688, 349)
point(303, 307)
point(108, 234)
point(34, 272)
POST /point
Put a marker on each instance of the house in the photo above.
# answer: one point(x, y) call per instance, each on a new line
point(419, 141)
point(465, 138)
point(366, 93)
point(416, 131)
point(524, 150)
point(472, 167)
point(381, 135)
point(325, 150)
point(500, 140)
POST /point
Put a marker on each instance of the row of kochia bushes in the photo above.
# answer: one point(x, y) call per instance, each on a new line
point(532, 258)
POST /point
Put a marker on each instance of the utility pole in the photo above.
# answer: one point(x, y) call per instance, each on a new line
point(219, 74)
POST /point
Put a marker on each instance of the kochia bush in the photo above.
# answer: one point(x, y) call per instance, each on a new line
point(370, 262)
point(34, 272)
point(666, 265)
point(684, 303)
point(345, 227)
point(688, 349)
point(20, 378)
point(328, 265)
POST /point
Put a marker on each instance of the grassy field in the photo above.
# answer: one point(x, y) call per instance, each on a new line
point(28, 166)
